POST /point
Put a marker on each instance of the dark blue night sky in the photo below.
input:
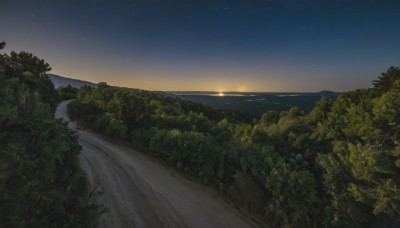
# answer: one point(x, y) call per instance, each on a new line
point(253, 45)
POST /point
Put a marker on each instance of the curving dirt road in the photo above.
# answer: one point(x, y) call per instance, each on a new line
point(140, 192)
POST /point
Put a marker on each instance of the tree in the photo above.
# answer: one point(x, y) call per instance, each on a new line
point(269, 118)
point(32, 71)
point(335, 166)
point(41, 184)
point(68, 92)
point(386, 80)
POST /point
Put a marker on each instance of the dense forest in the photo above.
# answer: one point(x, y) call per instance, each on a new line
point(337, 166)
point(41, 184)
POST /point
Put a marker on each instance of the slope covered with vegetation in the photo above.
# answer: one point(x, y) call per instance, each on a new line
point(41, 184)
point(338, 166)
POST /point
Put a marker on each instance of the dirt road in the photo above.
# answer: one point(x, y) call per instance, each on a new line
point(140, 192)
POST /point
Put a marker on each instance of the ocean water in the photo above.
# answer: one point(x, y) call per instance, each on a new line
point(255, 103)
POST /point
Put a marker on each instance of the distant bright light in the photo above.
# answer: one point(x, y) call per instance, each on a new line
point(221, 94)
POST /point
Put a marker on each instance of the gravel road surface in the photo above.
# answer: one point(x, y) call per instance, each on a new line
point(141, 192)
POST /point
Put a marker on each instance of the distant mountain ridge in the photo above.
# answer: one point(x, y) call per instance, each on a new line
point(328, 92)
point(60, 81)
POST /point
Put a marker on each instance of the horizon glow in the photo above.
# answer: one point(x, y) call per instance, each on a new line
point(238, 45)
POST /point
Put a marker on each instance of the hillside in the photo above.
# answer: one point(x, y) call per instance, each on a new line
point(336, 166)
point(60, 81)
point(41, 184)
point(145, 198)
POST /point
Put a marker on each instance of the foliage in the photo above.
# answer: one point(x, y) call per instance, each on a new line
point(336, 166)
point(67, 93)
point(238, 158)
point(41, 184)
point(32, 72)
point(362, 172)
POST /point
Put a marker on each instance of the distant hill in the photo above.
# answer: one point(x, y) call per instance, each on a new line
point(60, 81)
point(327, 92)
